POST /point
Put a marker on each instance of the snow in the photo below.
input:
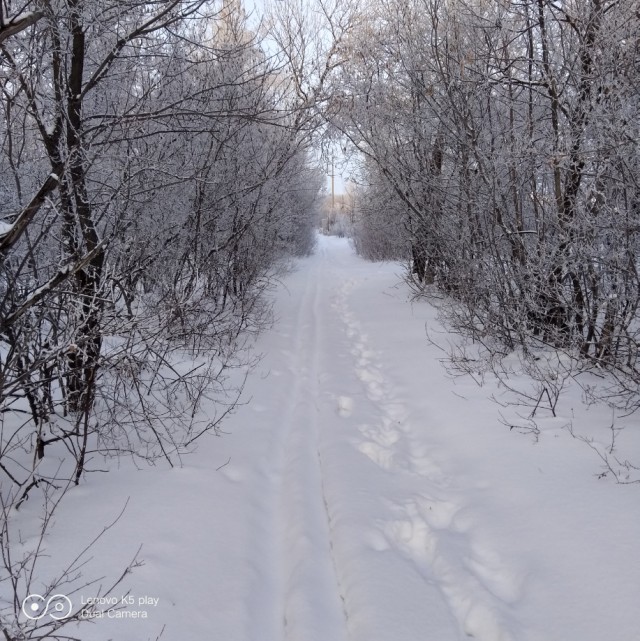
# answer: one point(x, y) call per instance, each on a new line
point(363, 495)
point(21, 17)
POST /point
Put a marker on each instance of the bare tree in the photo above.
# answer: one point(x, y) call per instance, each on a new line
point(161, 175)
point(507, 134)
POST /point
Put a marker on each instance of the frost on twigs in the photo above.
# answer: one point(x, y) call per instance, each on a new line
point(161, 178)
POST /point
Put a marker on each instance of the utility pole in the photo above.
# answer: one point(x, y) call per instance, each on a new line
point(333, 193)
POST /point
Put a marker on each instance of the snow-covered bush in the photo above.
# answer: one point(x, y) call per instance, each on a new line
point(380, 230)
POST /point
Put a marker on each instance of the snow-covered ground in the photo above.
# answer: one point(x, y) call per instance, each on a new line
point(363, 495)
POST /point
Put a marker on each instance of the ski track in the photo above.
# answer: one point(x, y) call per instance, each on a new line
point(312, 602)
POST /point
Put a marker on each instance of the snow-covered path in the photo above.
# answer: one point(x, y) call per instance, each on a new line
point(363, 530)
point(368, 497)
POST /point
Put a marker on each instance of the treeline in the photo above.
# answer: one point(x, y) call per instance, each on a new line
point(155, 174)
point(502, 145)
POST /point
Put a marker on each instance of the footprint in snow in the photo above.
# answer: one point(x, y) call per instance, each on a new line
point(345, 406)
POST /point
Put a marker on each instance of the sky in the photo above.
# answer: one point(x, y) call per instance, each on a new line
point(255, 8)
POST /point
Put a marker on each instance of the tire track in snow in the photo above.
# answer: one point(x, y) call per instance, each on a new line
point(425, 527)
point(312, 605)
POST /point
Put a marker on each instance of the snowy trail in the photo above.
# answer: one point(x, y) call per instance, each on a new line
point(382, 525)
point(341, 414)
point(360, 495)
